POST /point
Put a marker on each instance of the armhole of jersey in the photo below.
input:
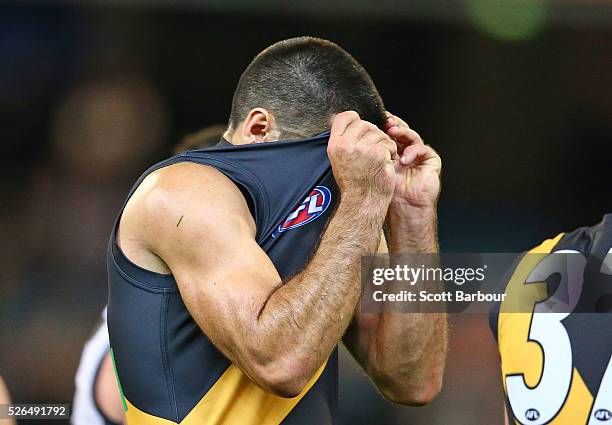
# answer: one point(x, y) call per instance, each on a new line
point(256, 202)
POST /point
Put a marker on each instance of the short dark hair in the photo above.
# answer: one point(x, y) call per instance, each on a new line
point(304, 81)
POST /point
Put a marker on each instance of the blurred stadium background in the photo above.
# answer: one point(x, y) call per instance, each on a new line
point(515, 95)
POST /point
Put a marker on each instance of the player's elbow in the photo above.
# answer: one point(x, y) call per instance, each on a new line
point(412, 396)
point(410, 393)
point(282, 387)
point(282, 378)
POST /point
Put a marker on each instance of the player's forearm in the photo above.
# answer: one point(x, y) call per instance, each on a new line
point(306, 317)
point(413, 231)
point(410, 348)
point(411, 352)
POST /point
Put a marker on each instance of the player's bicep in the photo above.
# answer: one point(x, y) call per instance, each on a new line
point(225, 290)
point(224, 277)
point(225, 281)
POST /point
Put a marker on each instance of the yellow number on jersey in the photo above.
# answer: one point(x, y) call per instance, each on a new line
point(540, 381)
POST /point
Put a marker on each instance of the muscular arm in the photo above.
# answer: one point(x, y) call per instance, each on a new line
point(278, 333)
point(404, 353)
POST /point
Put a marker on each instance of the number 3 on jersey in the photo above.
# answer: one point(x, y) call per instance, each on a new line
point(540, 379)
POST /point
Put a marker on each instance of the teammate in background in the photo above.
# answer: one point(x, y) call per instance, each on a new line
point(557, 366)
point(97, 399)
point(234, 272)
point(5, 398)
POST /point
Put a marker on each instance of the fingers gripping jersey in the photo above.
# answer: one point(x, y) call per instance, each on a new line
point(556, 367)
point(169, 371)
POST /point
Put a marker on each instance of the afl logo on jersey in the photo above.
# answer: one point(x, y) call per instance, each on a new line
point(532, 414)
point(309, 210)
point(603, 415)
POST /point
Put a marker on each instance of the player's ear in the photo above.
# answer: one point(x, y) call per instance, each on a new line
point(258, 126)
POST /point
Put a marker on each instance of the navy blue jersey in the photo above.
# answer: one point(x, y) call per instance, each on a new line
point(169, 371)
point(557, 367)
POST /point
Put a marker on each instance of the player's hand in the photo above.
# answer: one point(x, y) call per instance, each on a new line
point(362, 158)
point(417, 169)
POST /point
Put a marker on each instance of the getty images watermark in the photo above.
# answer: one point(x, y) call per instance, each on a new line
point(477, 282)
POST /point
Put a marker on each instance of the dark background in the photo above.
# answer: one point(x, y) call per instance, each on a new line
point(515, 96)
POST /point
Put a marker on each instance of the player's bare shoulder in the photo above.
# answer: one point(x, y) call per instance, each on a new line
point(185, 200)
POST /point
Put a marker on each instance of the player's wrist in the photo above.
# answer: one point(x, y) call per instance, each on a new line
point(362, 208)
point(401, 210)
point(412, 232)
point(359, 221)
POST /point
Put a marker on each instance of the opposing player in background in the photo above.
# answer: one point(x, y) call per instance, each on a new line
point(97, 400)
point(234, 272)
point(5, 398)
point(557, 359)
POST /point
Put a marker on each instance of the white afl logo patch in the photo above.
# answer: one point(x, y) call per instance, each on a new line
point(532, 414)
point(315, 204)
point(603, 415)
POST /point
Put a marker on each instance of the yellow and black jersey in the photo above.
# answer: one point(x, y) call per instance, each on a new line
point(556, 363)
point(169, 371)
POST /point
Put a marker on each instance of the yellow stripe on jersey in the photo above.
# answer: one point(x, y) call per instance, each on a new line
point(233, 400)
point(519, 355)
point(134, 416)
